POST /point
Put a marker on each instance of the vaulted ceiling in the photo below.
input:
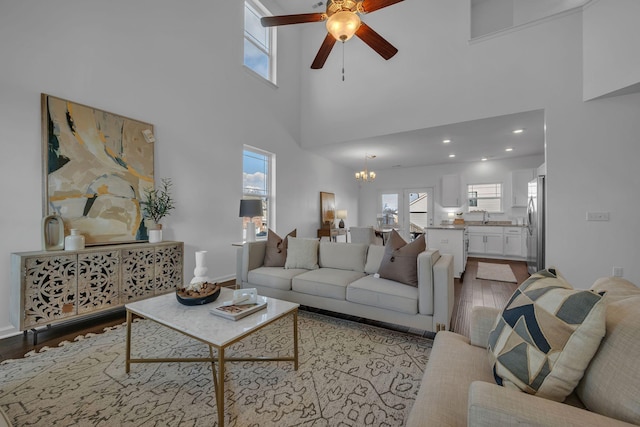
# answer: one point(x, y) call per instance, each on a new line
point(470, 140)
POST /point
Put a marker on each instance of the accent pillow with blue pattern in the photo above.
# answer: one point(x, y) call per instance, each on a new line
point(546, 335)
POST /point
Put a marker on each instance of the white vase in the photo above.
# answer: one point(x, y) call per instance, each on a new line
point(74, 241)
point(200, 272)
point(155, 236)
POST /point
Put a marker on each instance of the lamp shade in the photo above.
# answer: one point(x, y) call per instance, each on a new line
point(250, 208)
point(341, 214)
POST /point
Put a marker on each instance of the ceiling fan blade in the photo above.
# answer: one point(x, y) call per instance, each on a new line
point(324, 52)
point(376, 41)
point(373, 5)
point(272, 21)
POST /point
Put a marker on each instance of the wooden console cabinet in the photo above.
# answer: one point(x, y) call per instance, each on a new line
point(56, 286)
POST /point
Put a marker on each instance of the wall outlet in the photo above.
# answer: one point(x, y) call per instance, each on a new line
point(597, 216)
point(618, 271)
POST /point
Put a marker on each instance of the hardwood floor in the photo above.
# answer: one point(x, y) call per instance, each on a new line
point(469, 292)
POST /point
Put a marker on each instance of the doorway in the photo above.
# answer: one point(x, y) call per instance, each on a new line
point(408, 211)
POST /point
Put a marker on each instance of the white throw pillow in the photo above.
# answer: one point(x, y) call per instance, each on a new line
point(302, 253)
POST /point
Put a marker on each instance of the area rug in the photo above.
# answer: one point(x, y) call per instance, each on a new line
point(497, 272)
point(350, 374)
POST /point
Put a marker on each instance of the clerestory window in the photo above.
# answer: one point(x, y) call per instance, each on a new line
point(259, 42)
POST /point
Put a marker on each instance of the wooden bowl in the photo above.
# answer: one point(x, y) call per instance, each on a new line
point(207, 295)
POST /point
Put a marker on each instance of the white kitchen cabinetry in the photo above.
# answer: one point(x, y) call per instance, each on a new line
point(484, 240)
point(519, 187)
point(513, 242)
point(450, 196)
point(450, 241)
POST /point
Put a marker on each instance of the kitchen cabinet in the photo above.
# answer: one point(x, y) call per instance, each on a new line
point(486, 240)
point(450, 196)
point(513, 242)
point(450, 240)
point(519, 187)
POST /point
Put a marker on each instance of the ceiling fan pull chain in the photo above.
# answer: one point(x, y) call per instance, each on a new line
point(342, 61)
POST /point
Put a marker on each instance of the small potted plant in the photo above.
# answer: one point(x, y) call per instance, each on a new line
point(158, 203)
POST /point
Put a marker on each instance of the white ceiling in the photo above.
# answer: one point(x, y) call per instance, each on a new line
point(470, 141)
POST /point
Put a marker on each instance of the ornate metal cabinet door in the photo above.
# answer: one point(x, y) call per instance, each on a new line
point(98, 281)
point(49, 288)
point(168, 268)
point(137, 274)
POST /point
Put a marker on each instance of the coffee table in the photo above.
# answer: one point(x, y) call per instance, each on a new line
point(217, 332)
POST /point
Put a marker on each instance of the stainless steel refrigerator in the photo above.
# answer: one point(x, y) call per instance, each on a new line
point(536, 225)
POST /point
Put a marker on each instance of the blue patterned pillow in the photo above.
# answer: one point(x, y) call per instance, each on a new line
point(546, 336)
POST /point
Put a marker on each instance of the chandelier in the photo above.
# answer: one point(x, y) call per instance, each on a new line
point(366, 175)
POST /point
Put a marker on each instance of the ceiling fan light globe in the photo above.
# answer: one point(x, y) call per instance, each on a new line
point(343, 25)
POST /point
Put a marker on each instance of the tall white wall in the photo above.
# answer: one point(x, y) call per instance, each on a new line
point(177, 65)
point(439, 78)
point(611, 60)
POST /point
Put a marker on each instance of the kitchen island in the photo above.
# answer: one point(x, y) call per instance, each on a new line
point(450, 239)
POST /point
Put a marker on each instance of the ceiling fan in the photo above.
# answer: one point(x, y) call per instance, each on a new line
point(343, 22)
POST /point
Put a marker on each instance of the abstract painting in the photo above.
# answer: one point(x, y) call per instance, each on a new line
point(327, 209)
point(96, 168)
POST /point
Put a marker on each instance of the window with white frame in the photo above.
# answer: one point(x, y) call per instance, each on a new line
point(259, 41)
point(485, 197)
point(258, 182)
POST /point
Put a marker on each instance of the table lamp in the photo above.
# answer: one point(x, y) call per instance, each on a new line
point(341, 215)
point(250, 208)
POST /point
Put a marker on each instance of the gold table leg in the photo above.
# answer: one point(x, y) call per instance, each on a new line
point(220, 388)
point(295, 340)
point(128, 357)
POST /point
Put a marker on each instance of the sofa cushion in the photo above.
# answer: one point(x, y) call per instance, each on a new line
point(343, 256)
point(325, 282)
point(546, 336)
point(384, 293)
point(374, 259)
point(611, 383)
point(276, 251)
point(274, 277)
point(453, 365)
point(400, 261)
point(302, 253)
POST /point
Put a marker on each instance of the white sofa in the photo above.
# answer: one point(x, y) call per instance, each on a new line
point(345, 282)
point(458, 387)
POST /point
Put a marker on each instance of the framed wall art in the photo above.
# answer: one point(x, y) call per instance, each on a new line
point(96, 167)
point(327, 209)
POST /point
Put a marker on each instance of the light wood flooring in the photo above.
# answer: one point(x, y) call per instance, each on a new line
point(469, 292)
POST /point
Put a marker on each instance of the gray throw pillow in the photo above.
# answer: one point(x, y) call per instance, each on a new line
point(275, 254)
point(400, 261)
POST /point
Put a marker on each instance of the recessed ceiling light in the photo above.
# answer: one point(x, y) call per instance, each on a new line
point(484, 159)
point(452, 155)
point(508, 149)
point(446, 141)
point(518, 131)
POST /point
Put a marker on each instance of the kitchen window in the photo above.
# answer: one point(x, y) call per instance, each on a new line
point(485, 197)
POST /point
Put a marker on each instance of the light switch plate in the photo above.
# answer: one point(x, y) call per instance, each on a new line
point(597, 216)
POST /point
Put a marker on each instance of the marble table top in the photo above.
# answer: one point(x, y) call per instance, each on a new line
point(196, 321)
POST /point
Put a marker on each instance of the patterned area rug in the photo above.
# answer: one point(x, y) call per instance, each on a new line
point(497, 272)
point(350, 374)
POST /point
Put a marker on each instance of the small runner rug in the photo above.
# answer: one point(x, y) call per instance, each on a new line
point(497, 272)
point(349, 374)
